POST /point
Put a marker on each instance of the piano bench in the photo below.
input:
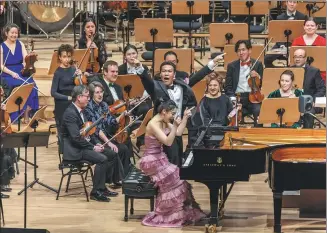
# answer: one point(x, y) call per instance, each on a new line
point(131, 211)
point(137, 185)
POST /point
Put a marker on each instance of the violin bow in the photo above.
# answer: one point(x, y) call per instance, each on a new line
point(18, 88)
point(252, 67)
point(113, 137)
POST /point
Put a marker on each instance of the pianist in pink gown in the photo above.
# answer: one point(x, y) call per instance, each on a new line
point(175, 205)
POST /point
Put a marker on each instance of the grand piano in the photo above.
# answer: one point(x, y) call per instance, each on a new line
point(254, 151)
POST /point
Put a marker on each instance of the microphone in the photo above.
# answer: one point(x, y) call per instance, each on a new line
point(315, 9)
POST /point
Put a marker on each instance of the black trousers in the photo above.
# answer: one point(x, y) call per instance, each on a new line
point(115, 172)
point(124, 156)
point(175, 151)
point(250, 108)
point(100, 171)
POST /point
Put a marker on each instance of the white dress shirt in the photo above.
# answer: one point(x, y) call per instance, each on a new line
point(112, 90)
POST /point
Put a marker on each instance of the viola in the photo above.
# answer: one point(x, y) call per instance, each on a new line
point(93, 63)
point(30, 59)
point(255, 95)
point(118, 107)
point(79, 79)
point(89, 127)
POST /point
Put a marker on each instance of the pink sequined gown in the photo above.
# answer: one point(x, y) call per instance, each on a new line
point(175, 205)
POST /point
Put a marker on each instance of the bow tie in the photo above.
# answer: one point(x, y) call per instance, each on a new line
point(170, 87)
point(111, 85)
point(248, 63)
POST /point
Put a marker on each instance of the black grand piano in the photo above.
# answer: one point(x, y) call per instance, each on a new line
point(237, 159)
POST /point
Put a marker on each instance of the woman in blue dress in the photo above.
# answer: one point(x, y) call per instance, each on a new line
point(13, 53)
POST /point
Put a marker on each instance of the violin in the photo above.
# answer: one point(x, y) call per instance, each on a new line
point(236, 113)
point(89, 128)
point(30, 59)
point(118, 107)
point(79, 79)
point(255, 95)
point(93, 63)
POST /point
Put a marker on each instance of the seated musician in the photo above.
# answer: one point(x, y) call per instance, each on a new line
point(313, 84)
point(89, 31)
point(78, 147)
point(93, 111)
point(237, 77)
point(311, 38)
point(178, 91)
point(13, 53)
point(286, 90)
point(171, 56)
point(63, 82)
point(215, 105)
point(290, 14)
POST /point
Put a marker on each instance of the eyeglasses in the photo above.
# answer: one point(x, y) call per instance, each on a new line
point(87, 96)
point(299, 57)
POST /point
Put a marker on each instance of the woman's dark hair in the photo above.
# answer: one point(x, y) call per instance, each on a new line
point(7, 28)
point(168, 63)
point(161, 105)
point(170, 53)
point(97, 37)
point(247, 44)
point(310, 19)
point(65, 48)
point(128, 47)
point(287, 72)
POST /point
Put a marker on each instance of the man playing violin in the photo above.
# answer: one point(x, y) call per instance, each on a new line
point(76, 147)
point(93, 111)
point(238, 73)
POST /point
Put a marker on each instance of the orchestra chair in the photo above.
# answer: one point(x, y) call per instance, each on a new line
point(79, 167)
point(141, 130)
point(148, 54)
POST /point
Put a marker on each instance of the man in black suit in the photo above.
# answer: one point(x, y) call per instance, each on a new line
point(237, 77)
point(313, 84)
point(290, 14)
point(171, 56)
point(77, 147)
point(177, 90)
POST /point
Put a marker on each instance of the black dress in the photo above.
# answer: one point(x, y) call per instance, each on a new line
point(61, 89)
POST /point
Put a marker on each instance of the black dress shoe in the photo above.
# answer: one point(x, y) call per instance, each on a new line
point(6, 189)
point(109, 193)
point(99, 196)
point(4, 195)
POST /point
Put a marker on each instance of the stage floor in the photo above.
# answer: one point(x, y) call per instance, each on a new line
point(248, 209)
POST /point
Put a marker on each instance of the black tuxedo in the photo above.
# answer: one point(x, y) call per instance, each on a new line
point(233, 75)
point(298, 16)
point(231, 83)
point(313, 84)
point(76, 147)
point(157, 89)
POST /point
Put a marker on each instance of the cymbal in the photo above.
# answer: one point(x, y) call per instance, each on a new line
point(48, 14)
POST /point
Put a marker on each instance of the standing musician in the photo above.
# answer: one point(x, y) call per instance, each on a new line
point(90, 39)
point(77, 147)
point(237, 77)
point(178, 91)
point(63, 81)
point(2, 16)
point(93, 111)
point(13, 54)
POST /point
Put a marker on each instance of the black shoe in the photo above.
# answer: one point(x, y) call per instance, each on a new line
point(6, 189)
point(99, 196)
point(4, 195)
point(109, 193)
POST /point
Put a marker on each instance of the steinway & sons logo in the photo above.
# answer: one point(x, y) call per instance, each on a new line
point(219, 163)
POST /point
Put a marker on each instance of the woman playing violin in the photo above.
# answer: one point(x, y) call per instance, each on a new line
point(94, 110)
point(87, 41)
point(63, 81)
point(13, 53)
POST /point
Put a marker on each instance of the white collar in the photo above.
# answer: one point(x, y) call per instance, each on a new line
point(78, 108)
point(290, 13)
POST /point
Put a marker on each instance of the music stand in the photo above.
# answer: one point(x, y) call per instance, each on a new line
point(153, 30)
point(285, 31)
point(227, 33)
point(314, 9)
point(232, 56)
point(182, 65)
point(78, 55)
point(280, 110)
point(249, 8)
point(34, 139)
point(315, 55)
point(31, 127)
point(272, 76)
point(131, 84)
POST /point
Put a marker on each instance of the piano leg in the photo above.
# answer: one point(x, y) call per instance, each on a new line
point(277, 211)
